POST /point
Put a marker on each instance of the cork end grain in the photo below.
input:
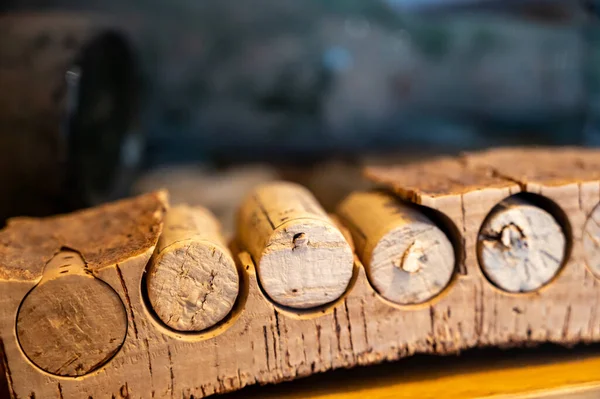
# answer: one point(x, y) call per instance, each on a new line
point(521, 247)
point(70, 326)
point(306, 264)
point(104, 236)
point(303, 260)
point(192, 280)
point(412, 264)
point(193, 285)
point(70, 323)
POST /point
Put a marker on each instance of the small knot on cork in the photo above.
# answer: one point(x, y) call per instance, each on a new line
point(299, 240)
point(511, 236)
point(513, 242)
point(413, 258)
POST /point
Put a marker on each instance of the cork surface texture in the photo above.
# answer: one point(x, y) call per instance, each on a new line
point(262, 341)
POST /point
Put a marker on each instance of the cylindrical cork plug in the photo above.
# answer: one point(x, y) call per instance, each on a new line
point(192, 280)
point(521, 246)
point(408, 259)
point(302, 258)
point(71, 323)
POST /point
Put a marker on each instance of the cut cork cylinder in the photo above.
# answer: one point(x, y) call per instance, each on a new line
point(408, 259)
point(71, 323)
point(521, 246)
point(303, 260)
point(192, 281)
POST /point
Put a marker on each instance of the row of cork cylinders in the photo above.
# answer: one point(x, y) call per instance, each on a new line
point(305, 258)
point(306, 261)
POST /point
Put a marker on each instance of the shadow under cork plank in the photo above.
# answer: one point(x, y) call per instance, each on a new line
point(547, 371)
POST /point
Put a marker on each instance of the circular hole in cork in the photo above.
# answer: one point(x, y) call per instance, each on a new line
point(71, 323)
point(425, 257)
point(591, 241)
point(523, 243)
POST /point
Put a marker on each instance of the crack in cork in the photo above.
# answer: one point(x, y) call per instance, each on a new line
point(462, 267)
point(275, 340)
point(565, 329)
point(149, 364)
point(432, 326)
point(364, 319)
point(266, 347)
point(338, 330)
point(7, 372)
point(172, 376)
point(127, 299)
point(349, 327)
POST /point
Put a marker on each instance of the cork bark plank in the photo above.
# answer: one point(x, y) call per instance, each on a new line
point(262, 343)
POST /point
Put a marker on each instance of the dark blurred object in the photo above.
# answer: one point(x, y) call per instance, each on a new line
point(104, 144)
point(353, 78)
point(265, 80)
point(66, 113)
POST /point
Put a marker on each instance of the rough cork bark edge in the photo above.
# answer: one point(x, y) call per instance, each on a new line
point(104, 235)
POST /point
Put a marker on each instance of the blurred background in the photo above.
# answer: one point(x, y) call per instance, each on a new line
point(102, 99)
